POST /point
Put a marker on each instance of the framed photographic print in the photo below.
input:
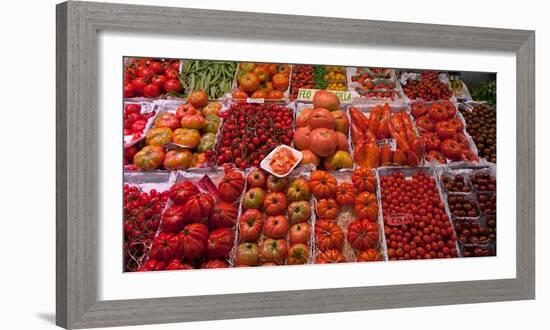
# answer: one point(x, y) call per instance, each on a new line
point(334, 164)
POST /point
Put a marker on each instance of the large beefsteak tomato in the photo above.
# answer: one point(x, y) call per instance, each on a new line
point(220, 242)
point(327, 208)
point(178, 264)
point(345, 194)
point(276, 226)
point(198, 208)
point(363, 234)
point(173, 219)
point(366, 206)
point(164, 247)
point(192, 240)
point(214, 263)
point(298, 190)
point(275, 203)
point(231, 186)
point(322, 184)
point(330, 256)
point(363, 179)
point(369, 255)
point(251, 224)
point(159, 136)
point(224, 215)
point(181, 191)
point(328, 235)
point(149, 158)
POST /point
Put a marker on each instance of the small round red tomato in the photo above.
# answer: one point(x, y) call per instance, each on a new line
point(445, 129)
point(173, 85)
point(129, 90)
point(139, 83)
point(171, 74)
point(425, 123)
point(145, 73)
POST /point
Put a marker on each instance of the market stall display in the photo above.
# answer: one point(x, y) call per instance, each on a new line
point(230, 169)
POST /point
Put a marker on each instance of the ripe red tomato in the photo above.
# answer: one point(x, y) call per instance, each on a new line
point(363, 234)
point(171, 74)
point(366, 206)
point(173, 219)
point(369, 255)
point(363, 179)
point(231, 186)
point(255, 179)
point(181, 191)
point(345, 194)
point(435, 155)
point(129, 90)
point(276, 226)
point(214, 263)
point(152, 265)
point(151, 90)
point(198, 208)
point(445, 129)
point(437, 112)
point(330, 256)
point(431, 141)
point(299, 211)
point(173, 85)
point(327, 208)
point(425, 123)
point(220, 243)
point(451, 149)
point(145, 73)
point(247, 254)
point(159, 81)
point(328, 235)
point(224, 215)
point(178, 264)
point(299, 233)
point(250, 225)
point(164, 247)
point(275, 203)
point(192, 240)
point(274, 250)
point(156, 67)
point(139, 83)
point(298, 254)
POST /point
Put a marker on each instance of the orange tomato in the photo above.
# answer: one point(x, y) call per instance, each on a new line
point(272, 69)
point(259, 94)
point(283, 68)
point(280, 81)
point(198, 99)
point(275, 95)
point(249, 82)
point(262, 73)
point(239, 94)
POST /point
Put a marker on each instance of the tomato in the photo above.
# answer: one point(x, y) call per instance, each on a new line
point(196, 121)
point(186, 137)
point(159, 136)
point(345, 194)
point(369, 255)
point(437, 112)
point(299, 233)
point(138, 84)
point(298, 254)
point(274, 250)
point(173, 219)
point(167, 119)
point(192, 240)
point(272, 69)
point(276, 184)
point(330, 256)
point(280, 81)
point(462, 140)
point(130, 152)
point(363, 234)
point(151, 90)
point(327, 208)
point(363, 179)
point(250, 225)
point(449, 107)
point(321, 118)
point(445, 129)
point(174, 65)
point(159, 81)
point(220, 242)
point(276, 226)
point(177, 159)
point(164, 247)
point(223, 215)
point(425, 123)
point(338, 160)
point(178, 264)
point(149, 158)
point(457, 123)
point(181, 191)
point(418, 147)
point(247, 254)
point(212, 123)
point(275, 95)
point(171, 73)
point(298, 190)
point(366, 206)
point(431, 141)
point(328, 235)
point(156, 67)
point(173, 85)
point(152, 265)
point(198, 208)
point(231, 186)
point(185, 109)
point(256, 178)
point(249, 82)
point(247, 66)
point(435, 155)
point(129, 90)
point(259, 94)
point(418, 109)
point(283, 69)
point(253, 198)
point(299, 211)
point(239, 94)
point(145, 73)
point(214, 263)
point(198, 99)
point(322, 184)
point(451, 149)
point(275, 203)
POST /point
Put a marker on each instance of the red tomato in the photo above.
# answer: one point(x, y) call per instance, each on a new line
point(129, 90)
point(139, 83)
point(445, 129)
point(276, 226)
point(151, 90)
point(192, 240)
point(363, 234)
point(173, 85)
point(220, 243)
point(171, 74)
point(451, 149)
point(145, 73)
point(156, 67)
point(224, 215)
point(159, 80)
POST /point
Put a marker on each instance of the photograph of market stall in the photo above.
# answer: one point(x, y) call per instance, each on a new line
point(234, 164)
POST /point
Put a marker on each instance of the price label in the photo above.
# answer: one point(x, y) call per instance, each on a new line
point(251, 100)
point(398, 219)
point(390, 142)
point(307, 95)
point(206, 184)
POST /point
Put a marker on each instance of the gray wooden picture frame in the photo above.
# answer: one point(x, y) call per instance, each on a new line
point(78, 24)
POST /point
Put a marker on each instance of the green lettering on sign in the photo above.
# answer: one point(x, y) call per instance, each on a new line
point(307, 95)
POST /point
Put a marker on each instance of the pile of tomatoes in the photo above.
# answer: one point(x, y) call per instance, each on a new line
point(148, 77)
point(135, 121)
point(416, 223)
point(302, 77)
point(274, 227)
point(428, 88)
point(262, 81)
point(332, 198)
point(142, 214)
point(442, 132)
point(251, 131)
point(197, 229)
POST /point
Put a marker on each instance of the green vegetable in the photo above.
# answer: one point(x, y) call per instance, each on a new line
point(207, 142)
point(319, 77)
point(487, 91)
point(213, 77)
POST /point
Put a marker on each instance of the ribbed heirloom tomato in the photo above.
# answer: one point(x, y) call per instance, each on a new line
point(323, 184)
point(363, 179)
point(345, 194)
point(167, 119)
point(369, 255)
point(330, 256)
point(214, 263)
point(181, 191)
point(275, 203)
point(164, 247)
point(198, 208)
point(173, 219)
point(220, 242)
point(231, 186)
point(159, 136)
point(366, 206)
point(192, 240)
point(149, 158)
point(223, 215)
point(178, 264)
point(327, 208)
point(298, 190)
point(178, 159)
point(328, 235)
point(251, 224)
point(363, 234)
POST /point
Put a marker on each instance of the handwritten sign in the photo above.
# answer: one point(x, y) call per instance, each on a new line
point(390, 142)
point(254, 100)
point(398, 219)
point(307, 95)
